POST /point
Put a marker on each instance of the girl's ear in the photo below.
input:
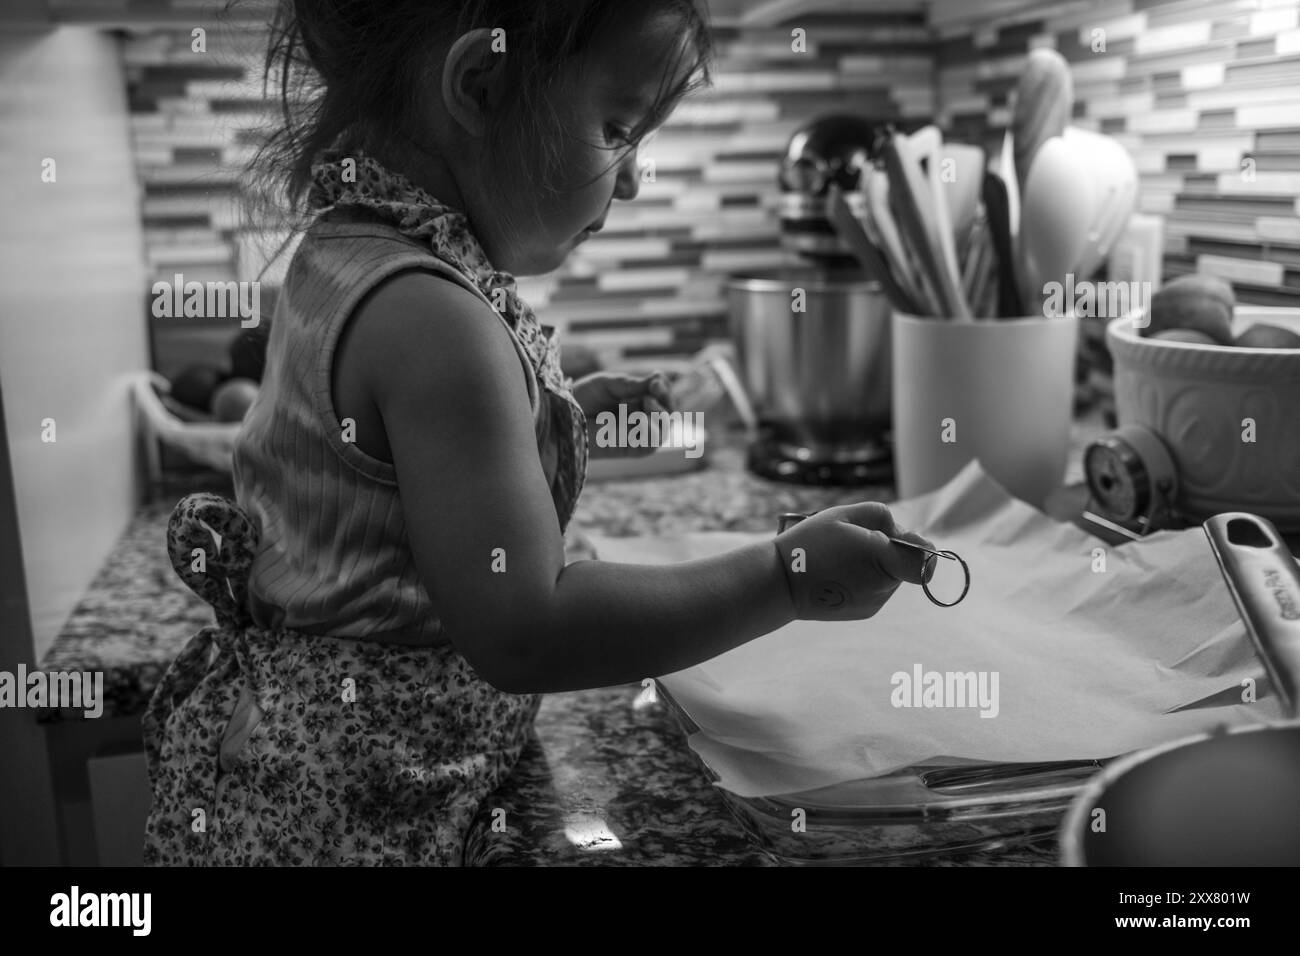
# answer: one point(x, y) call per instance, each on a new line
point(469, 75)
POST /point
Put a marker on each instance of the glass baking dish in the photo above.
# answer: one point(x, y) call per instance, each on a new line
point(917, 813)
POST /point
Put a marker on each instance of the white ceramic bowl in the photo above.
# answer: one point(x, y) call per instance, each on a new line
point(1199, 399)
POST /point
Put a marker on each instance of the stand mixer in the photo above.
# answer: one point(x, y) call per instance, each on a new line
point(813, 340)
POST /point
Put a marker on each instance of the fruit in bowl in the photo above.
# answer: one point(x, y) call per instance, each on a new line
point(1200, 310)
point(1261, 336)
point(1194, 303)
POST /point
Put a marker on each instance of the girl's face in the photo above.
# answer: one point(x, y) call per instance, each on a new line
point(529, 230)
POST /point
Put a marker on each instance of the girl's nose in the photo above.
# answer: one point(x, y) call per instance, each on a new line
point(628, 183)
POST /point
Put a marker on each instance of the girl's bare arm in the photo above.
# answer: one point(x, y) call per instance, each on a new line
point(450, 389)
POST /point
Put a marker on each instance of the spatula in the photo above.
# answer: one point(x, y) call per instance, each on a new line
point(1114, 180)
point(881, 221)
point(1044, 103)
point(927, 147)
point(963, 190)
point(910, 192)
point(1056, 210)
point(850, 230)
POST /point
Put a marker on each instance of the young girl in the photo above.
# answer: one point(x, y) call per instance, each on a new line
point(391, 591)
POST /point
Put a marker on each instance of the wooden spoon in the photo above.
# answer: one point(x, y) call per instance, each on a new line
point(1044, 103)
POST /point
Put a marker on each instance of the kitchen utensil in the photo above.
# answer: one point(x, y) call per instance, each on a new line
point(911, 195)
point(982, 293)
point(818, 380)
point(984, 299)
point(1044, 103)
point(927, 144)
point(907, 269)
point(925, 141)
point(1223, 798)
point(970, 262)
point(1006, 170)
point(994, 195)
point(849, 229)
point(1114, 186)
point(1204, 401)
point(978, 254)
point(1056, 208)
point(1001, 392)
point(963, 191)
point(791, 518)
point(901, 264)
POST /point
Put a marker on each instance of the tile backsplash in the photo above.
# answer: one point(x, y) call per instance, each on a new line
point(1205, 95)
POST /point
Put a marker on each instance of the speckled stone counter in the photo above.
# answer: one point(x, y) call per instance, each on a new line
point(608, 778)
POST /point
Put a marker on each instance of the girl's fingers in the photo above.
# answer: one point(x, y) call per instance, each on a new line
point(652, 408)
point(915, 538)
point(927, 562)
point(657, 387)
point(871, 515)
point(623, 387)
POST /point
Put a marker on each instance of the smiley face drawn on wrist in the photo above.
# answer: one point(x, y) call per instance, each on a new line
point(830, 595)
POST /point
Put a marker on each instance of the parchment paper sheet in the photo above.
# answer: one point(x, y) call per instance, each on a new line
point(1090, 664)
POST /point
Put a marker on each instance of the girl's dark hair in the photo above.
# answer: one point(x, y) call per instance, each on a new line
point(346, 72)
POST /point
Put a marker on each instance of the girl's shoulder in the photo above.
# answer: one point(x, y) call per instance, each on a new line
point(420, 324)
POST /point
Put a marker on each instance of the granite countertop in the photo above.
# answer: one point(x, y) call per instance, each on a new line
point(608, 778)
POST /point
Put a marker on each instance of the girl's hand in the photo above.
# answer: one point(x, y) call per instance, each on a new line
point(841, 565)
point(606, 391)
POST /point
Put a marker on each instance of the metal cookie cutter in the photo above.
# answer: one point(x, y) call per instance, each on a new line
point(793, 517)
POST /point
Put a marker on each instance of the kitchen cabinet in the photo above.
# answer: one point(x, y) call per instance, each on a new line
point(119, 798)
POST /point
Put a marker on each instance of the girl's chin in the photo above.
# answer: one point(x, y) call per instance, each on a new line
point(542, 259)
point(542, 263)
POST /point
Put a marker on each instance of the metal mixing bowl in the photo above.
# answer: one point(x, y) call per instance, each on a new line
point(819, 379)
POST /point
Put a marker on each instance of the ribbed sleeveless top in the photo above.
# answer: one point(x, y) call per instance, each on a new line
point(334, 556)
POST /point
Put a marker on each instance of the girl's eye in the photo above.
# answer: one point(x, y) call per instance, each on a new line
point(617, 135)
